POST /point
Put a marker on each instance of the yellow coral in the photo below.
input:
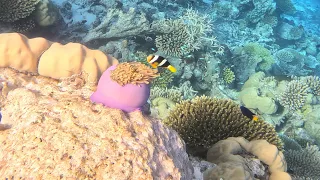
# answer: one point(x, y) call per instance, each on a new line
point(228, 75)
point(133, 73)
point(42, 57)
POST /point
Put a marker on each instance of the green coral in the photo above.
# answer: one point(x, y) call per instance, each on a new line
point(228, 75)
point(203, 121)
point(260, 54)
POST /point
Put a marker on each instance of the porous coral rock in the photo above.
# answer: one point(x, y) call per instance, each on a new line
point(58, 133)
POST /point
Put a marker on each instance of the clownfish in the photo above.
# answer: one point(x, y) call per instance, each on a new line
point(159, 61)
point(245, 111)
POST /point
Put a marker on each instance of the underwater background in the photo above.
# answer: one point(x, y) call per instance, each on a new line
point(260, 55)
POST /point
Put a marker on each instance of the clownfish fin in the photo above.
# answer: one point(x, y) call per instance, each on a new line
point(154, 65)
point(172, 69)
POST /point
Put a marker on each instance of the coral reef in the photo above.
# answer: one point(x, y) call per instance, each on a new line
point(127, 24)
point(257, 93)
point(294, 96)
point(290, 62)
point(228, 75)
point(184, 35)
point(237, 158)
point(203, 121)
point(56, 132)
point(12, 10)
point(24, 15)
point(125, 86)
point(50, 59)
point(304, 163)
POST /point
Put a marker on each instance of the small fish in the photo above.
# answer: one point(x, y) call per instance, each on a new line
point(159, 61)
point(245, 111)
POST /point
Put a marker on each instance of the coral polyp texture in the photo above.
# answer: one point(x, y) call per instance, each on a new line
point(235, 158)
point(42, 57)
point(125, 86)
point(12, 10)
point(203, 121)
point(57, 133)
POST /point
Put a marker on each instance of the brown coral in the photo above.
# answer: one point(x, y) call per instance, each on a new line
point(203, 121)
point(12, 10)
point(234, 156)
point(133, 73)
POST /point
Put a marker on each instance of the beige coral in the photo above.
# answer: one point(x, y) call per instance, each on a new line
point(232, 164)
point(133, 73)
point(40, 56)
point(163, 105)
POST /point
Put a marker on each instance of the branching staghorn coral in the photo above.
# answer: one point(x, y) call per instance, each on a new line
point(314, 84)
point(174, 95)
point(185, 35)
point(133, 73)
point(203, 121)
point(304, 163)
point(295, 95)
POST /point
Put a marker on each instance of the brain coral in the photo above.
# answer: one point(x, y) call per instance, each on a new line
point(203, 121)
point(234, 158)
point(57, 133)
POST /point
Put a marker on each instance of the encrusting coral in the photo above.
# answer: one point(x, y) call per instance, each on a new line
point(234, 158)
point(56, 132)
point(125, 86)
point(203, 121)
point(41, 57)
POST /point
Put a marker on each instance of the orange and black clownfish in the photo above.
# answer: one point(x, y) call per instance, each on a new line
point(159, 61)
point(245, 111)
